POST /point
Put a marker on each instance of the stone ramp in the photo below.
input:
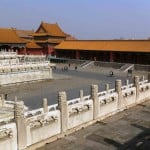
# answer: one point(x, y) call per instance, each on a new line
point(126, 67)
point(86, 64)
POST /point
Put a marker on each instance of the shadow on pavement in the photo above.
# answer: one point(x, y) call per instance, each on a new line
point(139, 142)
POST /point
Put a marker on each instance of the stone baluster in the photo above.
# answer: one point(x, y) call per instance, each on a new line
point(118, 84)
point(148, 77)
point(2, 100)
point(63, 107)
point(107, 87)
point(45, 106)
point(21, 124)
point(96, 103)
point(127, 82)
point(1, 104)
point(81, 95)
point(143, 78)
point(50, 73)
point(137, 86)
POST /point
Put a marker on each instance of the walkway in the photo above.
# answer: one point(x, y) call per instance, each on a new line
point(128, 130)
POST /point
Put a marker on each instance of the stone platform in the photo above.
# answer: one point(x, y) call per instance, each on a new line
point(127, 130)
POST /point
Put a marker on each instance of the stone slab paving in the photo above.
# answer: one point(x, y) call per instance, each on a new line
point(128, 130)
point(72, 81)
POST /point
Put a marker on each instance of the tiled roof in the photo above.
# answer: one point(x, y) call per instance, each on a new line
point(9, 36)
point(57, 41)
point(106, 45)
point(51, 29)
point(70, 37)
point(24, 33)
point(40, 34)
point(32, 44)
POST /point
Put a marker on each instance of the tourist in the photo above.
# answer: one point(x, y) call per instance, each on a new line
point(76, 68)
point(111, 73)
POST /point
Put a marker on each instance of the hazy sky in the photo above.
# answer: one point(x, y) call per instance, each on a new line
point(84, 19)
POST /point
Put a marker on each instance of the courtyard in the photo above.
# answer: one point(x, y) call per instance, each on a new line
point(71, 81)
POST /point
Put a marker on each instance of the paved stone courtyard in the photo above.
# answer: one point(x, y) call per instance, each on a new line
point(71, 81)
point(128, 130)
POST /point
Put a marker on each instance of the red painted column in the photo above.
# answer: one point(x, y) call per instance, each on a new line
point(111, 57)
point(22, 51)
point(25, 50)
point(50, 49)
point(77, 55)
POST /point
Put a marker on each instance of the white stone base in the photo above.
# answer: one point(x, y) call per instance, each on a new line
point(25, 76)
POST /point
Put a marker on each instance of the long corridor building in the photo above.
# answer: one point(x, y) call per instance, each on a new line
point(123, 51)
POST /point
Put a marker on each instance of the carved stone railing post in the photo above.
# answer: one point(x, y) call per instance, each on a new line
point(118, 84)
point(2, 100)
point(137, 86)
point(21, 125)
point(81, 95)
point(148, 77)
point(127, 82)
point(45, 106)
point(143, 78)
point(50, 73)
point(63, 107)
point(96, 103)
point(107, 87)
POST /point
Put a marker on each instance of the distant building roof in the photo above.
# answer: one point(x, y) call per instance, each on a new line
point(27, 34)
point(33, 45)
point(9, 36)
point(70, 37)
point(49, 29)
point(54, 41)
point(106, 45)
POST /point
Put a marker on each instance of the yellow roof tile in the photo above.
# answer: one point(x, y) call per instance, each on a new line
point(57, 41)
point(32, 44)
point(9, 36)
point(51, 29)
point(106, 45)
point(24, 33)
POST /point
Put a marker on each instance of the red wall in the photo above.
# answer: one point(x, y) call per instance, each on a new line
point(34, 52)
point(22, 51)
point(50, 50)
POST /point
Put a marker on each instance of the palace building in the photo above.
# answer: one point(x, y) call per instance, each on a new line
point(123, 51)
point(48, 36)
point(32, 48)
point(50, 40)
point(10, 41)
point(28, 42)
point(26, 35)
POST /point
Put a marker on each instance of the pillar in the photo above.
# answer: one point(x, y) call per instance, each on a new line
point(2, 100)
point(96, 103)
point(50, 73)
point(148, 77)
point(118, 84)
point(21, 124)
point(63, 107)
point(111, 56)
point(143, 78)
point(77, 55)
point(107, 87)
point(81, 95)
point(127, 82)
point(137, 86)
point(45, 106)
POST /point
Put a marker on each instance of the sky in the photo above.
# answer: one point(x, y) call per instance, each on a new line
point(83, 19)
